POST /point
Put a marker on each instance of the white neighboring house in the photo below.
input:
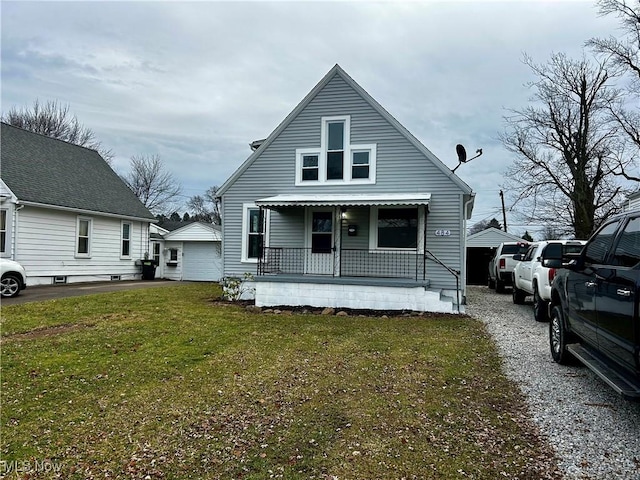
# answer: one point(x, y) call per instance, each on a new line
point(66, 216)
point(633, 201)
point(190, 251)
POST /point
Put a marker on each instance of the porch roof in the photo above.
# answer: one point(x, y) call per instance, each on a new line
point(345, 200)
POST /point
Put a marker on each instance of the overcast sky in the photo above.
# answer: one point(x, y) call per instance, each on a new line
point(196, 82)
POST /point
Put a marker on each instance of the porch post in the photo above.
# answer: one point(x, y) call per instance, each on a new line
point(261, 252)
point(424, 244)
point(337, 247)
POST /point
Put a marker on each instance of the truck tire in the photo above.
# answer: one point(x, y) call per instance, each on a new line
point(492, 284)
point(499, 286)
point(558, 337)
point(518, 295)
point(540, 306)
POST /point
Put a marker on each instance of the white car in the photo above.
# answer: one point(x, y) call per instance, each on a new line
point(530, 277)
point(14, 278)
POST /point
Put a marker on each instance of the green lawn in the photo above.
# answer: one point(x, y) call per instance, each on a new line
point(167, 383)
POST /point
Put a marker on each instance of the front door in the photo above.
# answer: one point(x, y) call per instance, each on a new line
point(319, 252)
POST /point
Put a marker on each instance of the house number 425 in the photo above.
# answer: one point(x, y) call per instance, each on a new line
point(443, 233)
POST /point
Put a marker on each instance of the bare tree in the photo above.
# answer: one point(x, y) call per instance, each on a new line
point(565, 168)
point(152, 184)
point(205, 208)
point(54, 120)
point(624, 53)
point(483, 225)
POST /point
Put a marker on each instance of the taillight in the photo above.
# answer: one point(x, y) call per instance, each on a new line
point(552, 274)
point(503, 264)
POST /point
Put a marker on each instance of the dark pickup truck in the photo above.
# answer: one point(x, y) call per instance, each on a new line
point(593, 310)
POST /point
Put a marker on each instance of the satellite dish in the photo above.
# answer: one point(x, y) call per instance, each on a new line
point(462, 153)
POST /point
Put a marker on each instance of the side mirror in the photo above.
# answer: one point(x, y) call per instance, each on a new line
point(552, 263)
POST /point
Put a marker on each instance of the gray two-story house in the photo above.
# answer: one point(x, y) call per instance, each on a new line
point(342, 207)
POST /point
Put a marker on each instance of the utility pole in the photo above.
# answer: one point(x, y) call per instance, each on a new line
point(504, 213)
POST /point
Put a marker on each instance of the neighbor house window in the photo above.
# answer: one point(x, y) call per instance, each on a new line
point(173, 255)
point(83, 243)
point(337, 160)
point(253, 232)
point(156, 252)
point(396, 228)
point(126, 240)
point(3, 231)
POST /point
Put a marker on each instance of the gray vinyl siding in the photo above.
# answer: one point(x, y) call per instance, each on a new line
point(401, 167)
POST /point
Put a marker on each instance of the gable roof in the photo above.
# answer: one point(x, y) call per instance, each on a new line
point(46, 171)
point(195, 231)
point(338, 71)
point(491, 237)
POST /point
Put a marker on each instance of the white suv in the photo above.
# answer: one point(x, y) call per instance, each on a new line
point(14, 278)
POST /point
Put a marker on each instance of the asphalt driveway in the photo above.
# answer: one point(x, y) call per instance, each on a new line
point(48, 292)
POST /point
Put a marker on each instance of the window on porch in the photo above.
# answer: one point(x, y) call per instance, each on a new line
point(397, 228)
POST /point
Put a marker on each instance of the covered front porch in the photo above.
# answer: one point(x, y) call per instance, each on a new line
point(350, 251)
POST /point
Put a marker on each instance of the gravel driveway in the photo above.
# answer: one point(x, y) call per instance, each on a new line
point(595, 433)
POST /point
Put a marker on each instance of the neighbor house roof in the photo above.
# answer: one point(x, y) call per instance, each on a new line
point(41, 170)
point(491, 237)
point(337, 70)
point(195, 231)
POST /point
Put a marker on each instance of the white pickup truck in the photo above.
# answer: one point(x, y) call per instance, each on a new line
point(502, 263)
point(531, 278)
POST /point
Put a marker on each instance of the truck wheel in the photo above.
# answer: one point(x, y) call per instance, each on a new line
point(539, 306)
point(499, 286)
point(518, 295)
point(558, 337)
point(492, 284)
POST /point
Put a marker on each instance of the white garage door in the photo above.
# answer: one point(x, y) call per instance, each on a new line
point(201, 261)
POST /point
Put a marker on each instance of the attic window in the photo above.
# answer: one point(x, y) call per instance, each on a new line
point(337, 161)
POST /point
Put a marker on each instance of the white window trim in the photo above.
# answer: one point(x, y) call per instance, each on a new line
point(5, 228)
point(300, 154)
point(373, 230)
point(245, 230)
point(90, 237)
point(122, 239)
point(372, 149)
point(347, 158)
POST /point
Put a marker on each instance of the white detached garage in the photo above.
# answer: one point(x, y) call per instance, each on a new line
point(191, 252)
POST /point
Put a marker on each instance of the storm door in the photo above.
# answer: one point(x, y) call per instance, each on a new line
point(319, 251)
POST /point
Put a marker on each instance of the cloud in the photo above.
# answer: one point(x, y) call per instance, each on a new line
point(196, 82)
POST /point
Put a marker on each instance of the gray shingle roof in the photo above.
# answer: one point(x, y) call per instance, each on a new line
point(44, 170)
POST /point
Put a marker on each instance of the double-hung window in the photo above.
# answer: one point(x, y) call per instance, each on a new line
point(360, 163)
point(125, 251)
point(3, 231)
point(83, 237)
point(254, 228)
point(310, 167)
point(337, 160)
point(335, 149)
